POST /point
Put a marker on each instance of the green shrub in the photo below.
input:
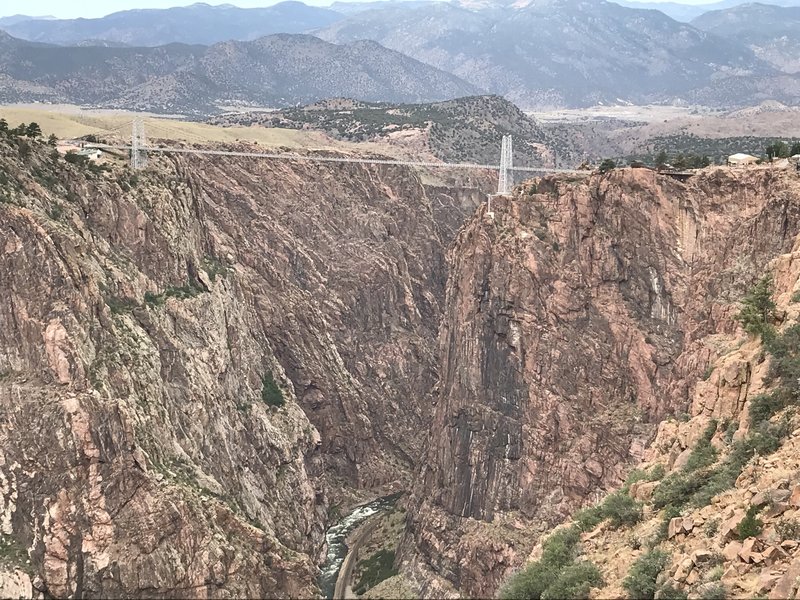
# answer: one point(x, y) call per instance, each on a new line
point(618, 507)
point(152, 299)
point(788, 529)
point(574, 582)
point(588, 518)
point(676, 489)
point(55, 212)
point(621, 509)
point(214, 267)
point(555, 573)
point(758, 308)
point(607, 165)
point(711, 527)
point(669, 592)
point(13, 553)
point(763, 406)
point(641, 580)
point(716, 591)
point(376, 568)
point(703, 454)
point(531, 582)
point(183, 292)
point(74, 158)
point(654, 474)
point(119, 305)
point(561, 547)
point(271, 394)
point(751, 525)
point(715, 574)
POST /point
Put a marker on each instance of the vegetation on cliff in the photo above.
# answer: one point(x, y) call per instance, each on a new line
point(557, 574)
point(713, 468)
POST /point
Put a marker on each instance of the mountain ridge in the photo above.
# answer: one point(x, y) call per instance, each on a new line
point(276, 70)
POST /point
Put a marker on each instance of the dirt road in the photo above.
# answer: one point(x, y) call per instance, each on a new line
point(343, 588)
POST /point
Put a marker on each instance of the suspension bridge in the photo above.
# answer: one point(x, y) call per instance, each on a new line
point(139, 150)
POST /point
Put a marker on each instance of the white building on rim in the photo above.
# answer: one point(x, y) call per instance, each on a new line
point(735, 160)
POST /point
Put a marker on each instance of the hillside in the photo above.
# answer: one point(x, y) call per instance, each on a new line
point(275, 71)
point(463, 130)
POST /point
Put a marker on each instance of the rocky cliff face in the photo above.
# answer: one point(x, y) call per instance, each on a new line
point(143, 320)
point(577, 316)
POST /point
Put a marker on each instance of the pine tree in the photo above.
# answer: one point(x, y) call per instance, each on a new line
point(758, 308)
point(33, 130)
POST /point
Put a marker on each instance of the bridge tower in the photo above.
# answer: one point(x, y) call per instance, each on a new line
point(138, 145)
point(506, 179)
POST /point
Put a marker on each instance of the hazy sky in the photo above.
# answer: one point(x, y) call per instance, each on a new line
point(97, 8)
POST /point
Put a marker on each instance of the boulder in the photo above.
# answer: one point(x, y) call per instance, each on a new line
point(730, 526)
point(731, 551)
point(675, 527)
point(766, 581)
point(776, 510)
point(701, 556)
point(794, 499)
point(688, 524)
point(770, 496)
point(643, 490)
point(786, 586)
point(772, 554)
point(682, 571)
point(789, 545)
point(750, 551)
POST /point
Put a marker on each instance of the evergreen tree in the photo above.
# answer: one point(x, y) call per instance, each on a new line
point(662, 158)
point(758, 308)
point(33, 130)
point(3, 126)
point(607, 165)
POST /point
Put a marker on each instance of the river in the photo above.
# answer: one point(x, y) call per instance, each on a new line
point(337, 534)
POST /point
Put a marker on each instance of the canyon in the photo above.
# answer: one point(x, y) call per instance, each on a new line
point(203, 363)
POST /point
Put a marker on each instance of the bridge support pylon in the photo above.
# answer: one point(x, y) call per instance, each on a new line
point(138, 145)
point(506, 180)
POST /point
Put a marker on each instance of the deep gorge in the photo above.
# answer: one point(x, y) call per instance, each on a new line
point(502, 371)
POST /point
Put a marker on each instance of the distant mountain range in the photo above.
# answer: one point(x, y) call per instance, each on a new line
point(772, 32)
point(537, 53)
point(276, 70)
point(689, 12)
point(195, 24)
point(571, 52)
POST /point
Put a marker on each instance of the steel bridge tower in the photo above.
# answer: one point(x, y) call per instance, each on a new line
point(138, 145)
point(506, 179)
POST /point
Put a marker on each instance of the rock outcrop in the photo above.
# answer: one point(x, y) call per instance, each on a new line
point(578, 316)
point(147, 322)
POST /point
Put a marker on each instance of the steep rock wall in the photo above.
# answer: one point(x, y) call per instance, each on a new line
point(141, 313)
point(576, 318)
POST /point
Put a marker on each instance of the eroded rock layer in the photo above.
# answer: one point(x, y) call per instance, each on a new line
point(578, 315)
point(147, 321)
